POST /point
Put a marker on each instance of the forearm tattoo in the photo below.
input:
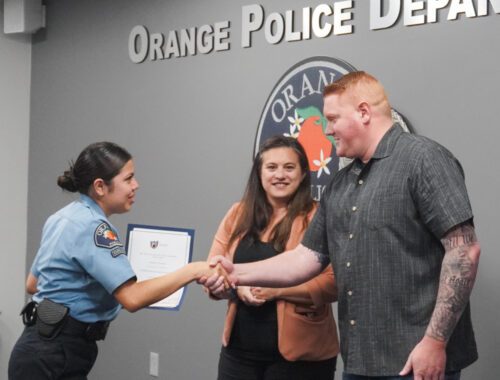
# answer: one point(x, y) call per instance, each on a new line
point(458, 273)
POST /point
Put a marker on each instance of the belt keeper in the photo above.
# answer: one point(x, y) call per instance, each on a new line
point(97, 330)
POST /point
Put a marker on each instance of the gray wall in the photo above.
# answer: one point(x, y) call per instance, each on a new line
point(191, 123)
point(15, 68)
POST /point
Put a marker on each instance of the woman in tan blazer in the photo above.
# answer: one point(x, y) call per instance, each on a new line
point(275, 333)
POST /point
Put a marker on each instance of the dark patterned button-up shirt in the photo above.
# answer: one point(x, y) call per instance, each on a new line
point(380, 223)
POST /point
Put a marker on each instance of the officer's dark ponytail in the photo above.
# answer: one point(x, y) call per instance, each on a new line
point(66, 181)
point(99, 160)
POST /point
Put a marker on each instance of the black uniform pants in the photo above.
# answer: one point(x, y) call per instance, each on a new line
point(66, 357)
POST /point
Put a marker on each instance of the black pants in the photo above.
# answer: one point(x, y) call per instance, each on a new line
point(68, 356)
point(233, 367)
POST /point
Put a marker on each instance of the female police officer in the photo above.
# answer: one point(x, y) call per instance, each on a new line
point(81, 276)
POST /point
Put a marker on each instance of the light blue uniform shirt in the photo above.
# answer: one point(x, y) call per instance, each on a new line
point(81, 262)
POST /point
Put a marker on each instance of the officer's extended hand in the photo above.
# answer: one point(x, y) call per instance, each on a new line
point(228, 268)
point(217, 284)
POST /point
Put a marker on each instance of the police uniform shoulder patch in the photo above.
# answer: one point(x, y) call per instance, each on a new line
point(105, 237)
point(117, 251)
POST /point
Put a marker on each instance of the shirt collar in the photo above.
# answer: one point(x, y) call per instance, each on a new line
point(388, 142)
point(90, 203)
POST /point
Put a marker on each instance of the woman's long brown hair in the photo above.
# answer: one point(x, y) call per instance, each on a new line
point(256, 211)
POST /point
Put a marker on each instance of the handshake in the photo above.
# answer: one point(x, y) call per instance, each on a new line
point(219, 277)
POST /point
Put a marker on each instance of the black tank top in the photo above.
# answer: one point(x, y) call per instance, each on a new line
point(255, 330)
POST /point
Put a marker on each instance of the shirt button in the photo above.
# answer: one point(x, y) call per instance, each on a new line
point(354, 208)
point(348, 264)
point(349, 293)
point(360, 181)
point(352, 322)
point(351, 236)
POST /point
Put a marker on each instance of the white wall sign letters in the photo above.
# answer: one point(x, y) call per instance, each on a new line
point(322, 21)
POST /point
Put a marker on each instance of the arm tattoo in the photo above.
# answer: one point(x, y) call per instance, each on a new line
point(458, 273)
point(462, 235)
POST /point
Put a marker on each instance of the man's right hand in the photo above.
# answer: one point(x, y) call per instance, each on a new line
point(228, 268)
point(220, 284)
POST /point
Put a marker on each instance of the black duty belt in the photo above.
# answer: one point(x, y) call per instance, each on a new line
point(91, 331)
point(52, 318)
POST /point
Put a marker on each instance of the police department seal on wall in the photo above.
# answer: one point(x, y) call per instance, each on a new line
point(295, 108)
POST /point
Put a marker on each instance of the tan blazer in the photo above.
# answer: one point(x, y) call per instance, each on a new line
point(304, 333)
